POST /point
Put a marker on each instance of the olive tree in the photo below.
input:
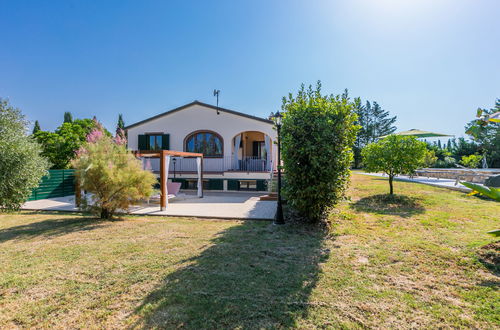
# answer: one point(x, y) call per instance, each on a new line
point(21, 165)
point(318, 133)
point(394, 155)
point(111, 173)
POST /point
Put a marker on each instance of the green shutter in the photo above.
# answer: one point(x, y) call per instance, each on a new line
point(165, 141)
point(143, 142)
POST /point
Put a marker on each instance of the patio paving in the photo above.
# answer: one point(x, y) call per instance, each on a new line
point(232, 205)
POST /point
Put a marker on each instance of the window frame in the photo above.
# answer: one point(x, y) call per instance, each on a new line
point(204, 131)
point(157, 138)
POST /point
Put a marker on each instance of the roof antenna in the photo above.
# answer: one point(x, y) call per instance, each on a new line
point(216, 93)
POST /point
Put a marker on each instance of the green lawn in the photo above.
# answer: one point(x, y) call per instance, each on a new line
point(414, 262)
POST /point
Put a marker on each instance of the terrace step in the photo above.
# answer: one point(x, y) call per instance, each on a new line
point(269, 197)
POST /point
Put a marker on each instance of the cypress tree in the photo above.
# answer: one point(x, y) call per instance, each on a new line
point(36, 128)
point(374, 122)
point(121, 123)
point(68, 118)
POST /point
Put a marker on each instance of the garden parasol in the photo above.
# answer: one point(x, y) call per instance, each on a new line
point(417, 133)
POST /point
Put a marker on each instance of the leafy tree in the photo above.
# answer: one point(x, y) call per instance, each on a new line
point(394, 155)
point(60, 146)
point(317, 136)
point(36, 127)
point(112, 174)
point(21, 165)
point(68, 118)
point(374, 122)
point(487, 134)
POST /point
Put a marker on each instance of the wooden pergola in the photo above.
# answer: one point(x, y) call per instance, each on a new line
point(164, 156)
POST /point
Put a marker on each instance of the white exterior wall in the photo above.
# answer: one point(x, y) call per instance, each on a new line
point(181, 123)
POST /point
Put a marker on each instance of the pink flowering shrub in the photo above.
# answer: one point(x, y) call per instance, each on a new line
point(94, 135)
point(120, 137)
point(111, 173)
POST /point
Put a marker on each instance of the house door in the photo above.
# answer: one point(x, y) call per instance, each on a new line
point(259, 150)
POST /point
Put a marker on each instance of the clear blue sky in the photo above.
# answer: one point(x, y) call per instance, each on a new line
point(430, 62)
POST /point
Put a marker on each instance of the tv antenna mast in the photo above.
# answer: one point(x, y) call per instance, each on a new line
point(216, 93)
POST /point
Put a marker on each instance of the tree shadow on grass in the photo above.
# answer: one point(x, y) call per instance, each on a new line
point(489, 256)
point(400, 205)
point(256, 275)
point(50, 228)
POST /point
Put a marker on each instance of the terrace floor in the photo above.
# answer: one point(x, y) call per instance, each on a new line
point(233, 205)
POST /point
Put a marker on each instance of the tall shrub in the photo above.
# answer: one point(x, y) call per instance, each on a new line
point(394, 155)
point(112, 174)
point(318, 133)
point(21, 166)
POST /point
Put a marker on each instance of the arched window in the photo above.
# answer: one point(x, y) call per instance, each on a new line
point(205, 142)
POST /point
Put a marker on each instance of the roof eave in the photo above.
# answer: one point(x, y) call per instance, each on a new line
point(201, 104)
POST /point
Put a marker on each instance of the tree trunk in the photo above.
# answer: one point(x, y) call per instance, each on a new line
point(391, 178)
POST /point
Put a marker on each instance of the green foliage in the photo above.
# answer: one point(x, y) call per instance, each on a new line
point(317, 136)
point(461, 147)
point(68, 118)
point(486, 133)
point(471, 161)
point(36, 127)
point(112, 174)
point(443, 156)
point(447, 162)
point(121, 122)
point(60, 146)
point(430, 158)
point(374, 122)
point(494, 232)
point(21, 165)
point(394, 155)
point(120, 127)
point(491, 192)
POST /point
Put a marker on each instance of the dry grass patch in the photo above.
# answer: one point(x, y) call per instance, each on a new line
point(414, 261)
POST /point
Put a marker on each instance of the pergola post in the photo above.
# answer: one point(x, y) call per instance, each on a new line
point(164, 169)
point(200, 176)
point(163, 182)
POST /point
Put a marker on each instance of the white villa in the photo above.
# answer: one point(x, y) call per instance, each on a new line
point(238, 150)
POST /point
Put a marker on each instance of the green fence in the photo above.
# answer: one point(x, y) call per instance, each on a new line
point(57, 183)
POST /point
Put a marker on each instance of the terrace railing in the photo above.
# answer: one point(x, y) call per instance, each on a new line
point(223, 164)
